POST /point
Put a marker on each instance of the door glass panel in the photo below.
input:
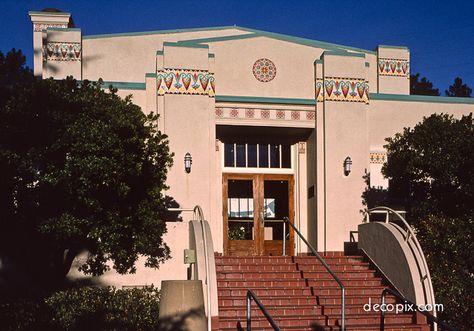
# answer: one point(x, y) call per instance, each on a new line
point(275, 208)
point(240, 210)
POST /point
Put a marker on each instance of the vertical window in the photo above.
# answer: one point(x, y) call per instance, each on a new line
point(252, 155)
point(229, 155)
point(263, 155)
point(242, 155)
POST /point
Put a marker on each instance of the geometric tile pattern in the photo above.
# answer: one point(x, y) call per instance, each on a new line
point(342, 89)
point(377, 158)
point(62, 51)
point(184, 81)
point(264, 70)
point(265, 114)
point(394, 67)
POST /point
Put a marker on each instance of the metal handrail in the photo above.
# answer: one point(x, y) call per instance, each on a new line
point(343, 288)
point(432, 318)
point(250, 296)
point(409, 233)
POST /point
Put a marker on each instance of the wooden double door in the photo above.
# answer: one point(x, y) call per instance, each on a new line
point(254, 208)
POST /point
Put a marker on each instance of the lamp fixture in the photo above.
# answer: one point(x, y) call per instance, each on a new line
point(347, 166)
point(188, 161)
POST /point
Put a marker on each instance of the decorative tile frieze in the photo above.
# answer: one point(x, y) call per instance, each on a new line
point(38, 27)
point(184, 81)
point(62, 51)
point(342, 89)
point(394, 67)
point(378, 157)
point(265, 114)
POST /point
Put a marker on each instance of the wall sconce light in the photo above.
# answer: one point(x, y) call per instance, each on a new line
point(347, 166)
point(188, 160)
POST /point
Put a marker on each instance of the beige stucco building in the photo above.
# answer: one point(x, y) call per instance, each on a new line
point(277, 126)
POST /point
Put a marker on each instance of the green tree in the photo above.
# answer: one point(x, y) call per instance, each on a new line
point(81, 169)
point(422, 86)
point(432, 168)
point(458, 89)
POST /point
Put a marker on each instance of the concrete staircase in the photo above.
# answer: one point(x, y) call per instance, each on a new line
point(300, 295)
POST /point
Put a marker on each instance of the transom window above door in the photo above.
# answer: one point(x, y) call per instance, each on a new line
point(257, 155)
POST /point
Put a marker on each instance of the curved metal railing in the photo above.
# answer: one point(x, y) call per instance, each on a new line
point(413, 307)
point(328, 269)
point(252, 296)
point(425, 277)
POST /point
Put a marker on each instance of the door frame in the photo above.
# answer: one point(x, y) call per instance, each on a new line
point(258, 181)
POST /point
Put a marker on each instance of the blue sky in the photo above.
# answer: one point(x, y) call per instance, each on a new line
point(440, 34)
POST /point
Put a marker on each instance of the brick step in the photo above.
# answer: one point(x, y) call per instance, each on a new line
point(231, 301)
point(261, 321)
point(246, 274)
point(280, 311)
point(258, 274)
point(253, 259)
point(262, 283)
point(346, 282)
point(336, 328)
point(355, 274)
point(353, 309)
point(256, 267)
point(261, 292)
point(350, 290)
point(374, 319)
point(330, 259)
point(335, 268)
point(353, 299)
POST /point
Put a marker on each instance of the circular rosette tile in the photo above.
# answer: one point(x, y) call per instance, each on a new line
point(264, 70)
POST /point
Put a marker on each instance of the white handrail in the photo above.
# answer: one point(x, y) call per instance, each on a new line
point(409, 233)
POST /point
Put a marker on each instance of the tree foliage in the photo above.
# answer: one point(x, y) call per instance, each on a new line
point(431, 167)
point(422, 86)
point(458, 89)
point(81, 169)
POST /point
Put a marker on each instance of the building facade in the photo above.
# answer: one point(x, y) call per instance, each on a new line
point(276, 126)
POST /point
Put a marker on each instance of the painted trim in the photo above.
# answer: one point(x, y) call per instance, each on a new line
point(343, 53)
point(211, 55)
point(151, 74)
point(254, 33)
point(420, 98)
point(389, 46)
point(43, 13)
point(146, 33)
point(126, 85)
point(218, 39)
point(63, 29)
point(248, 99)
point(159, 52)
point(178, 44)
point(318, 62)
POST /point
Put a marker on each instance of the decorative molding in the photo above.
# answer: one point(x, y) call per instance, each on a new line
point(62, 51)
point(38, 27)
point(342, 89)
point(264, 70)
point(264, 114)
point(301, 147)
point(378, 157)
point(184, 81)
point(394, 67)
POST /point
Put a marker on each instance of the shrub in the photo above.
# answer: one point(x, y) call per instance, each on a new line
point(105, 308)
